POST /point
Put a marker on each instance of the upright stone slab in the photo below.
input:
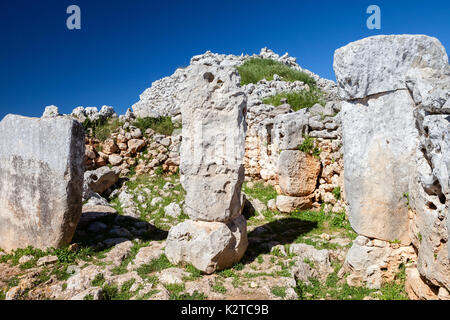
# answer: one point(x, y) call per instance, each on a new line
point(379, 128)
point(396, 133)
point(212, 171)
point(213, 145)
point(380, 141)
point(41, 181)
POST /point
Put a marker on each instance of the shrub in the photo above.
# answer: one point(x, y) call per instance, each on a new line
point(256, 69)
point(297, 99)
point(163, 125)
point(309, 146)
point(260, 192)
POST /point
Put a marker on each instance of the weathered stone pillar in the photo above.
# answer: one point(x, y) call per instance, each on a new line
point(212, 172)
point(41, 181)
point(396, 154)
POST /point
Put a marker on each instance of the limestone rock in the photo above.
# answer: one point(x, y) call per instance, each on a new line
point(41, 174)
point(288, 204)
point(380, 140)
point(101, 179)
point(379, 64)
point(212, 148)
point(289, 129)
point(50, 112)
point(208, 246)
point(297, 173)
point(172, 210)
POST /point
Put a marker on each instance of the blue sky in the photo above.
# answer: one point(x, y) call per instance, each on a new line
point(123, 46)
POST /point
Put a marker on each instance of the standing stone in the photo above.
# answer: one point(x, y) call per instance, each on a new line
point(380, 140)
point(396, 133)
point(213, 145)
point(41, 181)
point(212, 172)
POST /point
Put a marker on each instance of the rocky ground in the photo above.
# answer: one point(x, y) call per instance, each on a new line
point(116, 256)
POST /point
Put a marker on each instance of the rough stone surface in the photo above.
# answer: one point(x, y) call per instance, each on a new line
point(297, 173)
point(288, 204)
point(101, 179)
point(208, 246)
point(380, 140)
point(212, 148)
point(41, 174)
point(380, 63)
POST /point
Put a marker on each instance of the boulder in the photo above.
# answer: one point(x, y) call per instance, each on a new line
point(298, 173)
point(101, 179)
point(50, 112)
point(288, 204)
point(208, 246)
point(41, 174)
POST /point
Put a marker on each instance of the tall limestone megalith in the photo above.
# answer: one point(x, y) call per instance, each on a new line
point(396, 135)
point(212, 171)
point(379, 130)
point(41, 181)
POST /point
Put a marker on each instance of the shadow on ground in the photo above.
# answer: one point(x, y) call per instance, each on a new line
point(283, 231)
point(105, 229)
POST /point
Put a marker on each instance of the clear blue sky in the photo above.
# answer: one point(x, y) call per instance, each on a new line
point(124, 46)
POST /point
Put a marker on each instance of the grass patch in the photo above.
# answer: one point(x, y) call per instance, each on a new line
point(260, 192)
point(395, 290)
point(112, 292)
point(297, 99)
point(163, 125)
point(256, 69)
point(102, 129)
point(155, 265)
point(279, 292)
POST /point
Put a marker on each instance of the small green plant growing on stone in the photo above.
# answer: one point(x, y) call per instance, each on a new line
point(419, 236)
point(309, 146)
point(406, 195)
point(337, 193)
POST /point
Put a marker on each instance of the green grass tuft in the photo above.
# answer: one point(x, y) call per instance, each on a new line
point(163, 125)
point(298, 99)
point(256, 69)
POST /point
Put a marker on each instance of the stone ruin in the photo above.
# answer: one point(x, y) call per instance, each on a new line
point(385, 147)
point(396, 124)
point(41, 174)
point(212, 172)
